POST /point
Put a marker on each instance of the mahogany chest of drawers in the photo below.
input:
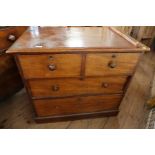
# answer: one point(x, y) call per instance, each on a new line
point(75, 72)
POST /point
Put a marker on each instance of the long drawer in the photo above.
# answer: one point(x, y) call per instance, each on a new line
point(66, 106)
point(75, 86)
point(50, 66)
point(111, 64)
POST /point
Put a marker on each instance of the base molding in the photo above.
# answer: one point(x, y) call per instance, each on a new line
point(76, 116)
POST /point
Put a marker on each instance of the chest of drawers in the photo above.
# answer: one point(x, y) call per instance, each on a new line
point(10, 81)
point(76, 72)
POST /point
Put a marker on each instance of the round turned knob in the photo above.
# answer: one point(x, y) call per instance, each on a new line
point(50, 57)
point(52, 67)
point(105, 85)
point(113, 56)
point(112, 64)
point(12, 37)
point(55, 87)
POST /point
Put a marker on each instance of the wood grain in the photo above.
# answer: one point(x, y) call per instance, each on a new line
point(71, 39)
point(37, 66)
point(98, 64)
point(21, 115)
point(56, 107)
point(5, 43)
point(76, 83)
point(73, 86)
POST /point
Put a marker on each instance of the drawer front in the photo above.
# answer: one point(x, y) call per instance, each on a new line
point(50, 66)
point(76, 105)
point(111, 64)
point(9, 35)
point(74, 86)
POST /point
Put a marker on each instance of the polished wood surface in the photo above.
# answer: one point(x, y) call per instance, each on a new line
point(111, 64)
point(133, 110)
point(68, 65)
point(78, 105)
point(73, 86)
point(60, 39)
point(56, 69)
point(38, 66)
point(9, 35)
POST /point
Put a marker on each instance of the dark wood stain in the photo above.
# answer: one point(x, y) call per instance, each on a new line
point(10, 81)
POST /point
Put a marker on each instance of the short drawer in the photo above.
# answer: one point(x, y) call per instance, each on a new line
point(111, 64)
point(75, 86)
point(53, 107)
point(50, 66)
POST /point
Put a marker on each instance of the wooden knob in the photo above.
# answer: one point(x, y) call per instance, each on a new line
point(112, 64)
point(55, 87)
point(52, 67)
point(12, 37)
point(113, 56)
point(105, 85)
point(50, 58)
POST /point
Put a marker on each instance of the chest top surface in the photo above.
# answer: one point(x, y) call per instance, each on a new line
point(60, 39)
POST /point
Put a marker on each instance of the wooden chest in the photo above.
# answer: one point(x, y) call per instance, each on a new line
point(75, 72)
point(10, 80)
